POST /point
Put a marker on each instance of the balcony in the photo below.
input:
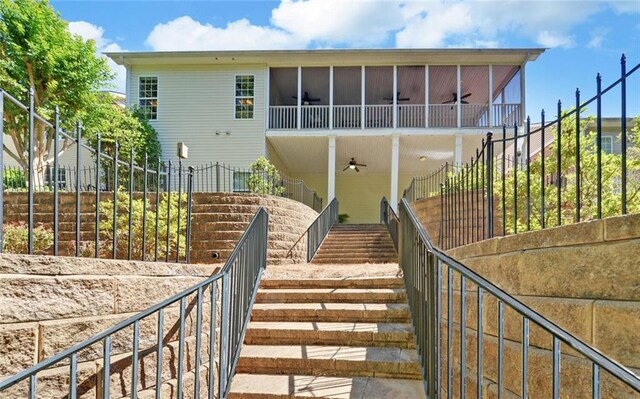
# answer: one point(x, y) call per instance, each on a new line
point(381, 116)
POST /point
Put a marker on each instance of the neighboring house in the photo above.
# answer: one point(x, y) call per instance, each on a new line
point(399, 112)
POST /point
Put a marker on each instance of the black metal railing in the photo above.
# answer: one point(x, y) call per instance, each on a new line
point(510, 187)
point(451, 343)
point(320, 227)
point(127, 210)
point(210, 178)
point(229, 294)
point(390, 219)
point(429, 185)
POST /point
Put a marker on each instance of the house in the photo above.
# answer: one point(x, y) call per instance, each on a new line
point(322, 115)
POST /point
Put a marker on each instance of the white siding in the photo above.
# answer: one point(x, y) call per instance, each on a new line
point(195, 102)
point(68, 157)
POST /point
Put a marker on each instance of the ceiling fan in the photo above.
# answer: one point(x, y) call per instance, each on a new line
point(306, 99)
point(397, 97)
point(455, 99)
point(354, 165)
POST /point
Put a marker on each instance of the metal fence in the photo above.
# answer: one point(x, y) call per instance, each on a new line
point(507, 189)
point(451, 347)
point(320, 227)
point(389, 218)
point(146, 215)
point(229, 293)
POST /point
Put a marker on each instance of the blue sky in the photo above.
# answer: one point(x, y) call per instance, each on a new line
point(582, 37)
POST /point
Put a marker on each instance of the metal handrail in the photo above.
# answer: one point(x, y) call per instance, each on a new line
point(390, 219)
point(422, 264)
point(238, 283)
point(318, 230)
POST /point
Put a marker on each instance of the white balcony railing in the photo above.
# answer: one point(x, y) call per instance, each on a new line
point(443, 115)
point(283, 117)
point(347, 116)
point(378, 116)
point(474, 115)
point(506, 114)
point(315, 116)
point(381, 116)
point(410, 115)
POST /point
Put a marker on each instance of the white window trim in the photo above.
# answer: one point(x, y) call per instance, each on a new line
point(235, 77)
point(157, 94)
point(609, 138)
point(245, 188)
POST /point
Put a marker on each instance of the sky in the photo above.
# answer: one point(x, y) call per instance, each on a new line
point(582, 37)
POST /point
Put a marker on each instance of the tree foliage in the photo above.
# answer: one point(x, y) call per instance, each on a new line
point(264, 178)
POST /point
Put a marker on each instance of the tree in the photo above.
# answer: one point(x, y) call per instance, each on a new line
point(37, 50)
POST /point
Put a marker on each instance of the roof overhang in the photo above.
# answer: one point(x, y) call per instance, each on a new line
point(325, 57)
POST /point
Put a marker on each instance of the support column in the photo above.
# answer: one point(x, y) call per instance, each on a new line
point(395, 154)
point(523, 111)
point(394, 113)
point(459, 91)
point(458, 150)
point(491, 96)
point(426, 96)
point(362, 93)
point(331, 170)
point(267, 96)
point(331, 97)
point(299, 100)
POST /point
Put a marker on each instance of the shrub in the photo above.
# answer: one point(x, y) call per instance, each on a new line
point(265, 178)
point(122, 231)
point(13, 178)
point(15, 236)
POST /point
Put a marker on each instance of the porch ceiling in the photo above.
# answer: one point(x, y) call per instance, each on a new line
point(309, 155)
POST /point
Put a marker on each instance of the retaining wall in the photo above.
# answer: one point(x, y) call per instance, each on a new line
point(584, 277)
point(50, 303)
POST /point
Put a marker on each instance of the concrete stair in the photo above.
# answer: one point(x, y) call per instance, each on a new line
point(329, 338)
point(355, 244)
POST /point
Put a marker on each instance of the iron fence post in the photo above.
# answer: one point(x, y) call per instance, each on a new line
point(31, 171)
point(542, 171)
point(578, 134)
point(78, 185)
point(1, 169)
point(131, 177)
point(98, 186)
point(189, 201)
point(599, 144)
point(179, 210)
point(144, 206)
point(114, 249)
point(217, 177)
point(623, 129)
point(489, 183)
point(559, 166)
point(168, 191)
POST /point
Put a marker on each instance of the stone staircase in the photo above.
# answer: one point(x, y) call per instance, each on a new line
point(329, 338)
point(356, 244)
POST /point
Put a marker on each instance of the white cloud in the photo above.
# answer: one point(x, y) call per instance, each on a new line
point(185, 33)
point(625, 6)
point(555, 39)
point(89, 31)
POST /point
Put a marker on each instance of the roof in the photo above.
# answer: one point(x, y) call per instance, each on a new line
point(332, 57)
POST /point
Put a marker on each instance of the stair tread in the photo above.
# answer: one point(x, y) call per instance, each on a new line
point(332, 290)
point(295, 386)
point(331, 326)
point(333, 306)
point(342, 282)
point(320, 352)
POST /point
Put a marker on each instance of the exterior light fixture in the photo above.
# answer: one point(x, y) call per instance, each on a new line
point(423, 158)
point(352, 167)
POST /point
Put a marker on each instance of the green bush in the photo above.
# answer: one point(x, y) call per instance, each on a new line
point(343, 218)
point(264, 178)
point(13, 178)
point(122, 232)
point(15, 236)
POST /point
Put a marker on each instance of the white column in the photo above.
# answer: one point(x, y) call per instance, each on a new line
point(362, 93)
point(395, 154)
point(331, 97)
point(331, 170)
point(267, 97)
point(426, 96)
point(459, 91)
point(523, 111)
point(490, 95)
point(458, 150)
point(299, 113)
point(395, 97)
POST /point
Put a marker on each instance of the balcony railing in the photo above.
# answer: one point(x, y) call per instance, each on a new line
point(411, 115)
point(347, 116)
point(381, 116)
point(506, 114)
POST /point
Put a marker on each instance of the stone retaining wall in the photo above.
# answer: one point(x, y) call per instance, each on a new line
point(50, 303)
point(219, 219)
point(584, 277)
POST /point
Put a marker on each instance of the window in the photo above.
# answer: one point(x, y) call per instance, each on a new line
point(148, 97)
point(607, 144)
point(245, 85)
point(62, 177)
point(240, 181)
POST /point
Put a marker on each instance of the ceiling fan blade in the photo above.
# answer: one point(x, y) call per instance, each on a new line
point(357, 170)
point(449, 102)
point(361, 164)
point(404, 99)
point(465, 96)
point(345, 168)
point(464, 102)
